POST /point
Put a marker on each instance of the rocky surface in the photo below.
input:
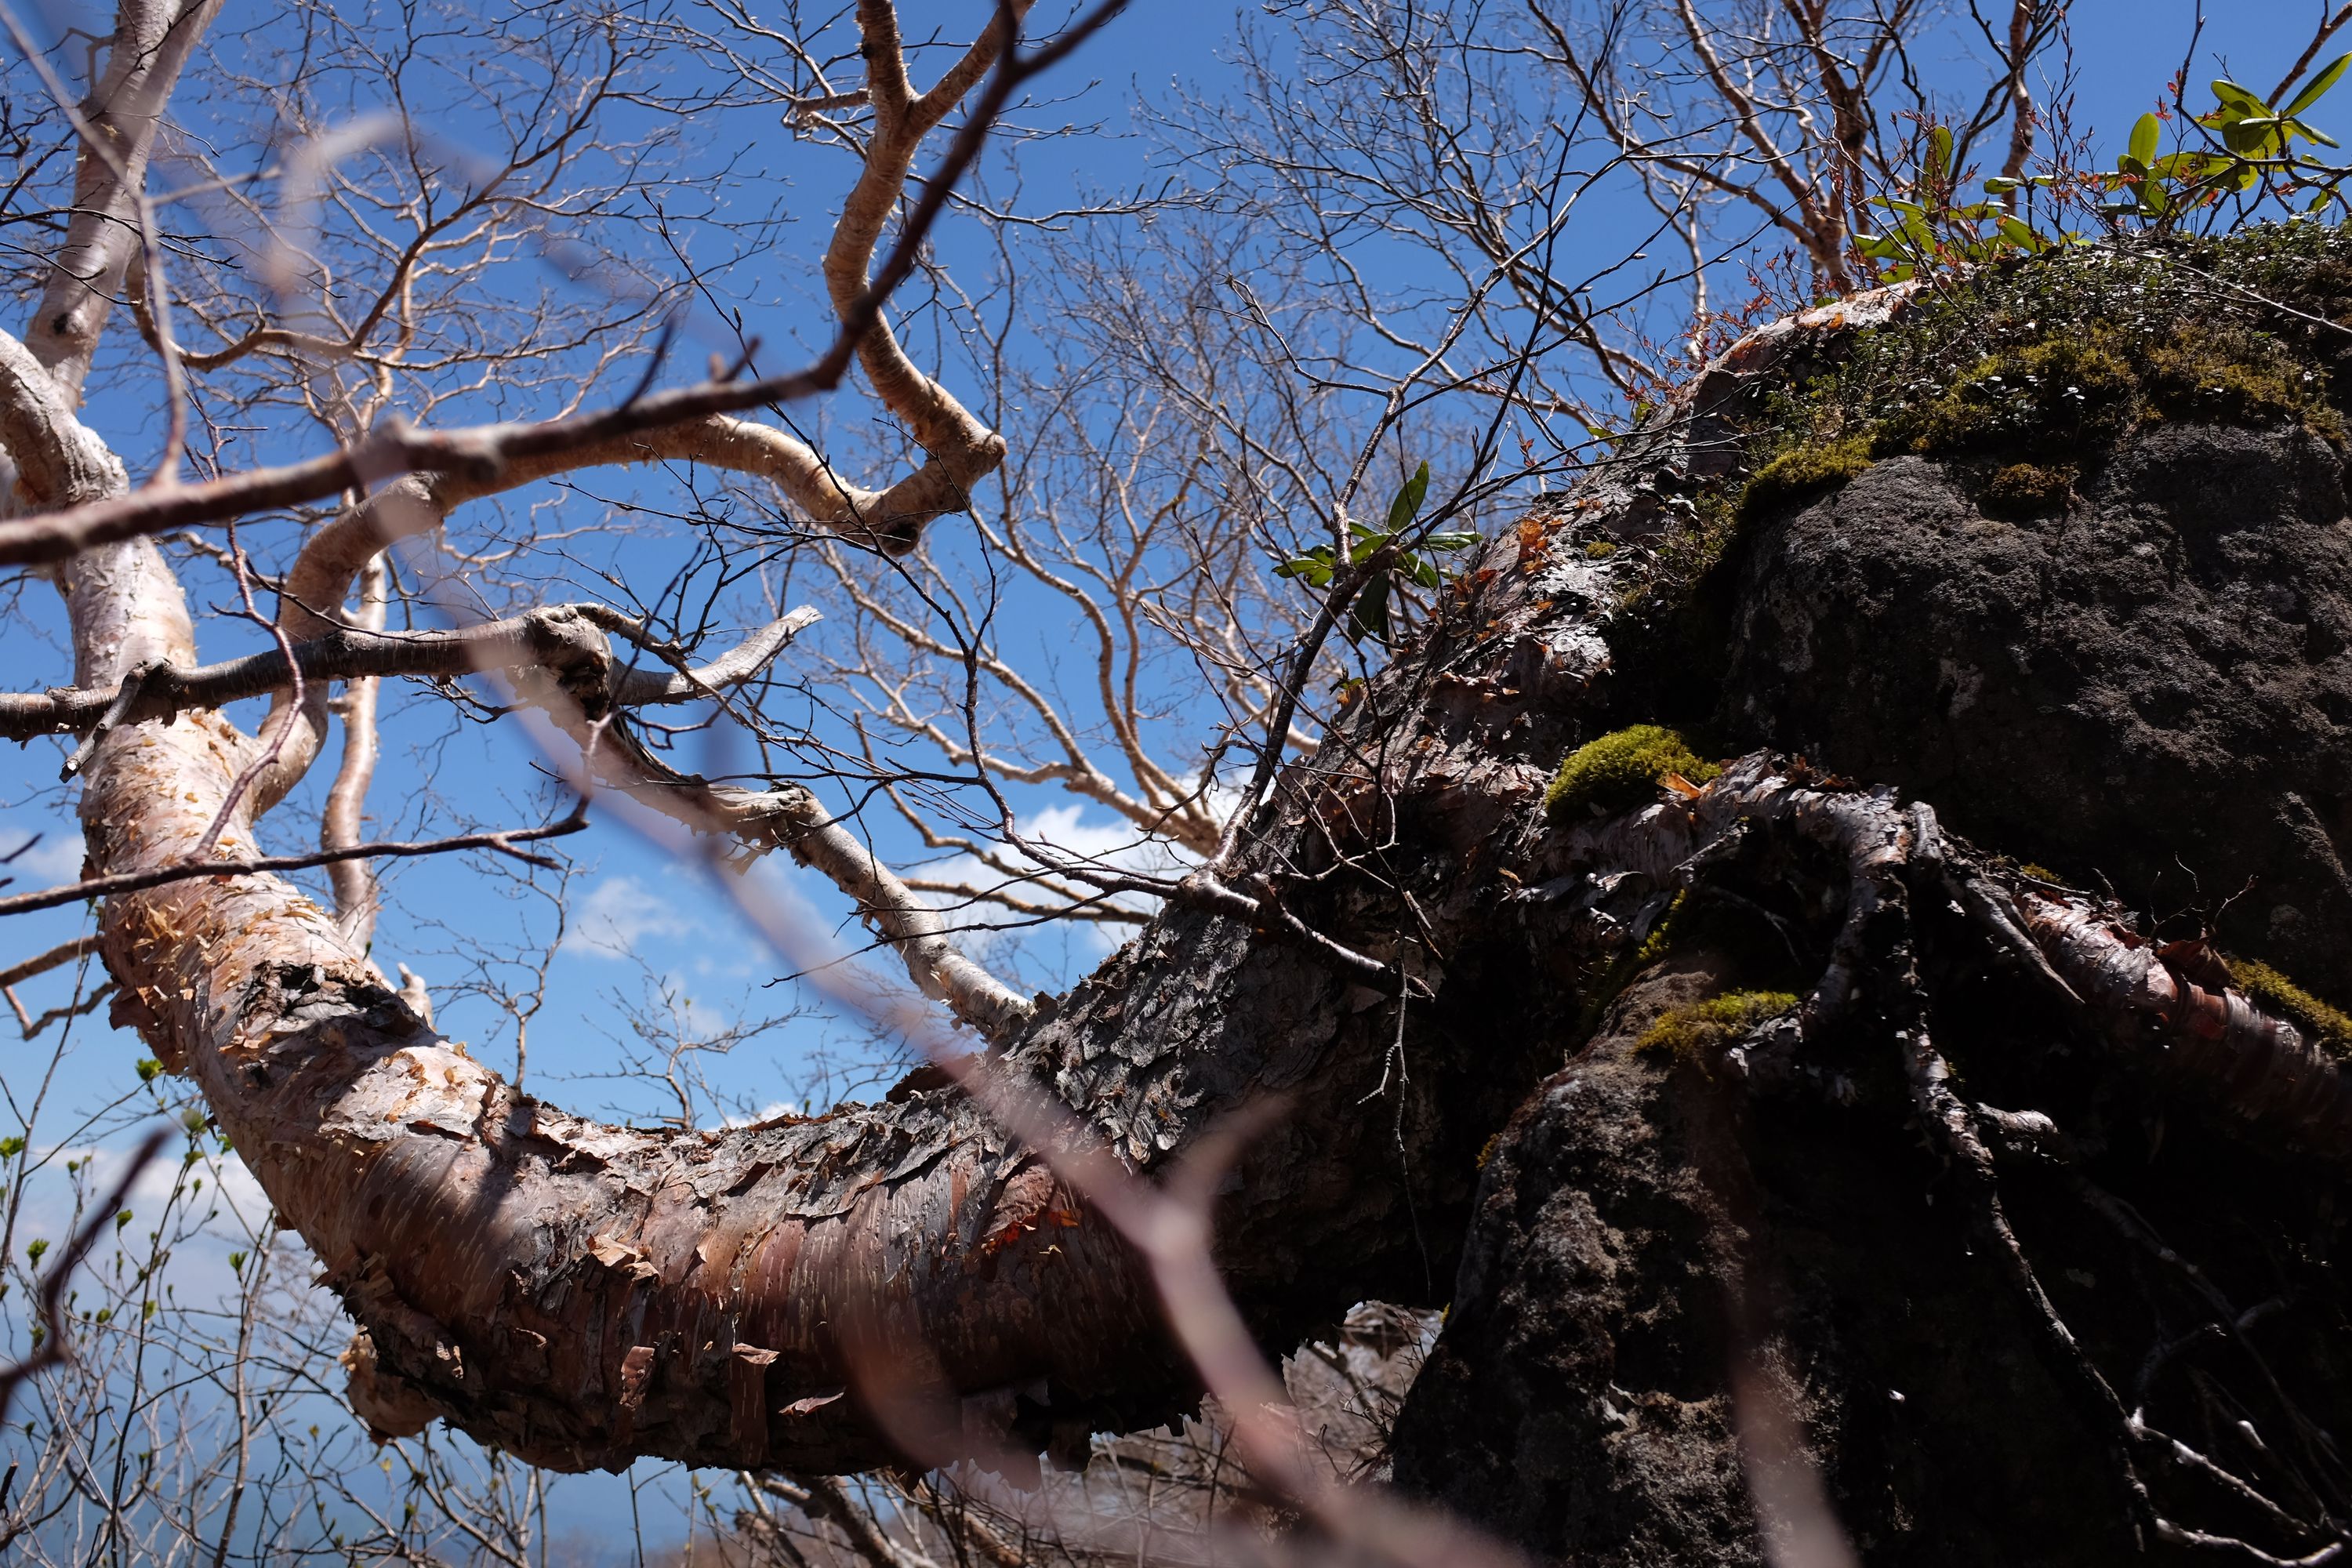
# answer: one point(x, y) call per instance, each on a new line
point(2152, 688)
point(2149, 691)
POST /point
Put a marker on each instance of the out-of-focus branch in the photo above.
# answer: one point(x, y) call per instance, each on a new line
point(56, 1344)
point(64, 953)
point(32, 1026)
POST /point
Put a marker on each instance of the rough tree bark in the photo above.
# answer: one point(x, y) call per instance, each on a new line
point(1808, 1215)
point(1644, 1228)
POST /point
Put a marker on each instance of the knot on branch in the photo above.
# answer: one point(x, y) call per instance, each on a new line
point(577, 661)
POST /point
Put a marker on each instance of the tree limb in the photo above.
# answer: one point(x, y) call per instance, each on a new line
point(562, 636)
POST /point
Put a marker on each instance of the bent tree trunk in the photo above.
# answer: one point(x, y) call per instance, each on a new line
point(2013, 1236)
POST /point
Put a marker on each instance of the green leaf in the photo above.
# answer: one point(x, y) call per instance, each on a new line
point(2318, 86)
point(2146, 133)
point(1450, 540)
point(148, 1068)
point(2001, 184)
point(2021, 235)
point(2248, 137)
point(33, 1250)
point(11, 1147)
point(2298, 128)
point(1939, 153)
point(1407, 505)
point(1368, 615)
point(2232, 96)
point(1314, 568)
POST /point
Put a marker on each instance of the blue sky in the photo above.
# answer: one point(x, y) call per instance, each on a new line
point(647, 932)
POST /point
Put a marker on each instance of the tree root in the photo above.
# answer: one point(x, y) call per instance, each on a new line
point(2166, 1015)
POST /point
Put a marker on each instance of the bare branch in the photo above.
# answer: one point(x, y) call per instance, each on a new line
point(503, 841)
point(564, 636)
point(63, 954)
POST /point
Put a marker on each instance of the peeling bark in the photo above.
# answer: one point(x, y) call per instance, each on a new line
point(582, 1294)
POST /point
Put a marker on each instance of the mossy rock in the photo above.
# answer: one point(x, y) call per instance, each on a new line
point(1621, 769)
point(2030, 490)
point(1802, 472)
point(2049, 397)
point(1699, 1032)
point(2228, 375)
point(2001, 364)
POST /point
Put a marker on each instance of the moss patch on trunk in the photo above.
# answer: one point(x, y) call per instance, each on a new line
point(1617, 770)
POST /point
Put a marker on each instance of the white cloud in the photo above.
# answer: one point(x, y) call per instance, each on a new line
point(207, 1222)
point(621, 912)
point(55, 858)
point(1108, 843)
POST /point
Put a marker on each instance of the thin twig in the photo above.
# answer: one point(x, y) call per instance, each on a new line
point(502, 841)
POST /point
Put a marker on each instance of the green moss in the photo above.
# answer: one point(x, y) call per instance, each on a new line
point(2274, 993)
point(1802, 472)
point(2025, 377)
point(1661, 935)
point(2028, 489)
point(1621, 769)
point(2228, 375)
point(2045, 398)
point(1597, 548)
point(1695, 1033)
point(2049, 364)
